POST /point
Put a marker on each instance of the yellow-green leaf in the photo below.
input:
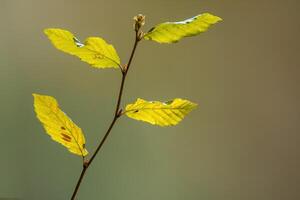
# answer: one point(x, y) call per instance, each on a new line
point(160, 113)
point(95, 51)
point(170, 32)
point(58, 125)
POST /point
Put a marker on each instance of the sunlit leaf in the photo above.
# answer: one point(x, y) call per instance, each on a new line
point(170, 32)
point(160, 113)
point(58, 125)
point(95, 51)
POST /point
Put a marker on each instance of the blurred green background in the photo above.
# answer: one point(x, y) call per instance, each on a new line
point(242, 143)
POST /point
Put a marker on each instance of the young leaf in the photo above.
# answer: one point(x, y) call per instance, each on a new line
point(58, 125)
point(170, 32)
point(95, 51)
point(159, 113)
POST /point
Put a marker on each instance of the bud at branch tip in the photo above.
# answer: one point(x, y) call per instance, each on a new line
point(139, 21)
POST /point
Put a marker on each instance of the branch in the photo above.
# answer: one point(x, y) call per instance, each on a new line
point(118, 113)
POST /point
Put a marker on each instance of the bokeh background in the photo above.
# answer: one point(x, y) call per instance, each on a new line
point(242, 143)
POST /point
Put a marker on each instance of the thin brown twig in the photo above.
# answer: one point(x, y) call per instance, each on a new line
point(117, 114)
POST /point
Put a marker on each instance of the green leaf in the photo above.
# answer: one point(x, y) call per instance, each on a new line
point(160, 113)
point(170, 32)
point(95, 51)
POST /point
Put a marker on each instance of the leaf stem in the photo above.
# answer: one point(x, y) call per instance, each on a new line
point(117, 114)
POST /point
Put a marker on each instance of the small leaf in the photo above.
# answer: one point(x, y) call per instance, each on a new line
point(95, 51)
point(170, 32)
point(158, 113)
point(58, 125)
